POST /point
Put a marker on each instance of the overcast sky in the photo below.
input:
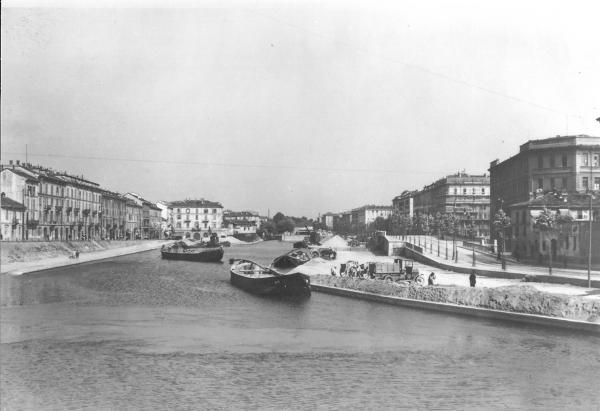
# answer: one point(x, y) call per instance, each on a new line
point(294, 106)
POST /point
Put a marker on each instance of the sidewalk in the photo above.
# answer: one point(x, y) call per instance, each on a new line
point(19, 268)
point(494, 269)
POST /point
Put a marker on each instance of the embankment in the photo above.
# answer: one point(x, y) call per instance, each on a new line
point(515, 299)
point(16, 252)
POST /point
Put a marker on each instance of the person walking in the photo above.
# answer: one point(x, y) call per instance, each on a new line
point(431, 279)
point(472, 279)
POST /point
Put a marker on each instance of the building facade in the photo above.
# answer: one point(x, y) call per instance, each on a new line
point(12, 219)
point(404, 203)
point(113, 213)
point(465, 195)
point(196, 218)
point(569, 242)
point(133, 210)
point(365, 215)
point(22, 185)
point(566, 164)
point(151, 217)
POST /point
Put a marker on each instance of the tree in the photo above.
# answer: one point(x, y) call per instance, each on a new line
point(278, 217)
point(286, 224)
point(501, 223)
point(550, 223)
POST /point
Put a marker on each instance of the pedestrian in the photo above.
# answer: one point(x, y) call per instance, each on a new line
point(431, 279)
point(472, 279)
point(77, 254)
point(333, 273)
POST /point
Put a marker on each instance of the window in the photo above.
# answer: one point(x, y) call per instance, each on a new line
point(205, 212)
point(464, 191)
point(541, 183)
point(187, 210)
point(584, 160)
point(564, 182)
point(178, 210)
point(482, 191)
point(584, 182)
point(552, 185)
point(563, 160)
point(596, 183)
point(179, 216)
point(552, 161)
point(196, 217)
point(214, 211)
point(455, 191)
point(540, 162)
point(473, 190)
point(595, 160)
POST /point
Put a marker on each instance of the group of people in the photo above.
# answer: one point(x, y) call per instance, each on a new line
point(430, 280)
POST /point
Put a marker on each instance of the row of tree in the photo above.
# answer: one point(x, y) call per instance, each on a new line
point(424, 224)
point(280, 223)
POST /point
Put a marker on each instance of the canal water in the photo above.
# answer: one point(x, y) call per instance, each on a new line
point(138, 332)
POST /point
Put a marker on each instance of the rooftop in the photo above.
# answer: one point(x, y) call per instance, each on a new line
point(201, 203)
point(560, 200)
point(580, 140)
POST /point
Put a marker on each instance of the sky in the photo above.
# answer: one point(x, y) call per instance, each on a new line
point(302, 107)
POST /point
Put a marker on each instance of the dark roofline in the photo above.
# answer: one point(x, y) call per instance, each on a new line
point(10, 204)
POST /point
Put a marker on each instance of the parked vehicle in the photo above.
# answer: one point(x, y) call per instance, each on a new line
point(326, 253)
point(399, 270)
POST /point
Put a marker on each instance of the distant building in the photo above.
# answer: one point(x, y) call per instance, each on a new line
point(12, 219)
point(113, 215)
point(133, 210)
point(196, 218)
point(568, 164)
point(404, 203)
point(361, 217)
point(151, 216)
point(329, 219)
point(250, 216)
point(465, 195)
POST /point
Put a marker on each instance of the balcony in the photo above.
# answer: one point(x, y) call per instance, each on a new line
point(69, 209)
point(86, 211)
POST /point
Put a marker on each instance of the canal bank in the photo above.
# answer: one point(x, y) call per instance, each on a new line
point(45, 255)
point(511, 273)
point(514, 303)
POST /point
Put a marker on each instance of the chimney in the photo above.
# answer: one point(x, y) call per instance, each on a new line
point(18, 162)
point(10, 162)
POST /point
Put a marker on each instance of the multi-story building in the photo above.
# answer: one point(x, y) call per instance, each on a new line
point(569, 242)
point(21, 185)
point(12, 219)
point(78, 210)
point(59, 206)
point(251, 216)
point(404, 203)
point(151, 217)
point(465, 195)
point(329, 219)
point(568, 164)
point(196, 218)
point(365, 215)
point(113, 213)
point(133, 210)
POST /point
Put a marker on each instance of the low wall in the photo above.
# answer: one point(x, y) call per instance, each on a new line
point(512, 302)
